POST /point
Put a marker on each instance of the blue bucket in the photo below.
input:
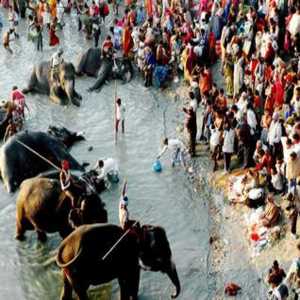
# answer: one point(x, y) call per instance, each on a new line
point(156, 167)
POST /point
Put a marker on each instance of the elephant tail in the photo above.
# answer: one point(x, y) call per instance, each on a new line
point(61, 261)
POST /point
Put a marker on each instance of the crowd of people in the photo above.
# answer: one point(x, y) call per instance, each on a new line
point(254, 115)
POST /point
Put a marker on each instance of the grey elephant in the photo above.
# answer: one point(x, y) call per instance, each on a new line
point(18, 163)
point(66, 136)
point(42, 206)
point(60, 91)
point(91, 63)
point(90, 255)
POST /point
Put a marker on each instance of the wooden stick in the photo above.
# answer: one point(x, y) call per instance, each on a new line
point(115, 111)
point(39, 155)
point(124, 188)
point(118, 241)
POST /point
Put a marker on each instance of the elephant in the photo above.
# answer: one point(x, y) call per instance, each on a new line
point(4, 118)
point(92, 64)
point(89, 62)
point(42, 206)
point(91, 255)
point(18, 162)
point(67, 137)
point(61, 93)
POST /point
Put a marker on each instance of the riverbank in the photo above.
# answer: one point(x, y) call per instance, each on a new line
point(231, 256)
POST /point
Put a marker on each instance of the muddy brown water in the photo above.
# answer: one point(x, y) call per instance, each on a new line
point(27, 270)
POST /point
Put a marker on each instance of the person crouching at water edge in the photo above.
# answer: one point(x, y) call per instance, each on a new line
point(107, 169)
point(176, 148)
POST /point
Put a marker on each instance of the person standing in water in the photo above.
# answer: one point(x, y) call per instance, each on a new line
point(6, 40)
point(123, 210)
point(120, 115)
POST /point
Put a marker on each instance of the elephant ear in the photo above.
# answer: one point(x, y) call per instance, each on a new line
point(155, 248)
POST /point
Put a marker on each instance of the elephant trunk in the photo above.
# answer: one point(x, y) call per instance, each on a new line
point(172, 273)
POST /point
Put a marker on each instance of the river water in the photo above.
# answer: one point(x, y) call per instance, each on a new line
point(27, 270)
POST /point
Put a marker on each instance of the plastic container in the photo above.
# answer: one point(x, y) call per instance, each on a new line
point(156, 167)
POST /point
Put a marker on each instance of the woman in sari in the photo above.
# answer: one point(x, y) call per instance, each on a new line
point(228, 74)
point(127, 41)
point(189, 63)
point(53, 39)
point(52, 6)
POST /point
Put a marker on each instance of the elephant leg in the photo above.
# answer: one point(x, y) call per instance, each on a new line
point(124, 291)
point(41, 235)
point(133, 284)
point(78, 96)
point(76, 101)
point(20, 231)
point(54, 98)
point(81, 292)
point(31, 84)
point(66, 293)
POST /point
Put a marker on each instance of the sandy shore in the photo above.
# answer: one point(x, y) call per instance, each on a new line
point(231, 257)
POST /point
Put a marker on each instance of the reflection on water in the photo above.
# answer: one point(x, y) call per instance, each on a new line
point(27, 269)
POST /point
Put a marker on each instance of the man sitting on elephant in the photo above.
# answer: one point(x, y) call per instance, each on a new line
point(68, 186)
point(55, 62)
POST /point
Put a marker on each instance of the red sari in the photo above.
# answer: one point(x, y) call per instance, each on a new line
point(53, 39)
point(127, 41)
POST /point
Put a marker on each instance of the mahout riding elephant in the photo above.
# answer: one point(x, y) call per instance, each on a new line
point(18, 163)
point(60, 91)
point(42, 206)
point(86, 177)
point(85, 258)
point(68, 137)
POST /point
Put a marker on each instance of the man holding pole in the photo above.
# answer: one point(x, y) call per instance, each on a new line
point(66, 182)
point(123, 211)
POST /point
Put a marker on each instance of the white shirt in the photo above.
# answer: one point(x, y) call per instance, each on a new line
point(173, 145)
point(60, 11)
point(56, 60)
point(251, 119)
point(123, 214)
point(194, 104)
point(214, 138)
point(110, 166)
point(277, 183)
point(228, 144)
point(120, 112)
point(275, 133)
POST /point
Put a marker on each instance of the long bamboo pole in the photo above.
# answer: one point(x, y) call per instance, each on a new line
point(115, 112)
point(39, 155)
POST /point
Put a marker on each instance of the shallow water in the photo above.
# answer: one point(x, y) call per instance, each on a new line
point(167, 199)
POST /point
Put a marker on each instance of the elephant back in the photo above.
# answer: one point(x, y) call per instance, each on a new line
point(89, 243)
point(39, 195)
